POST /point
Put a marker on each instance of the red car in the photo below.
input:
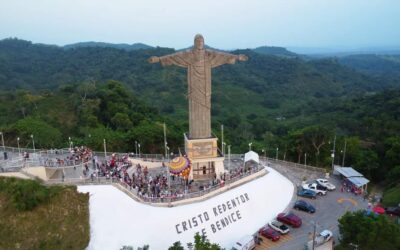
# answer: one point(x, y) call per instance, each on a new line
point(290, 219)
point(270, 233)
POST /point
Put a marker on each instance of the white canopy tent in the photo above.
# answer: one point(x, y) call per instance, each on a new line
point(251, 156)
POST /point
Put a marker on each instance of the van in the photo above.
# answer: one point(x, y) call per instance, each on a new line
point(245, 243)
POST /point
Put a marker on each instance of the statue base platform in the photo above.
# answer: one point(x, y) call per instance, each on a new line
point(207, 161)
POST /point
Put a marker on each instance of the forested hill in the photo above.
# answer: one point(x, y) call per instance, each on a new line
point(378, 65)
point(270, 82)
point(124, 46)
point(296, 105)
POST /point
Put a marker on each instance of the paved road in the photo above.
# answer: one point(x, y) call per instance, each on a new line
point(329, 209)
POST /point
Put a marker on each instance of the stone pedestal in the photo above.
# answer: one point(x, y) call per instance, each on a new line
point(207, 162)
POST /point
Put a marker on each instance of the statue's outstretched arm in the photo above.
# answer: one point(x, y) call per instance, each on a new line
point(180, 59)
point(220, 58)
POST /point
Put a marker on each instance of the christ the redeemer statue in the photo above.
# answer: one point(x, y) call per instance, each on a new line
point(198, 62)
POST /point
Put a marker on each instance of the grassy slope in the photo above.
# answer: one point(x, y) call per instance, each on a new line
point(391, 197)
point(61, 223)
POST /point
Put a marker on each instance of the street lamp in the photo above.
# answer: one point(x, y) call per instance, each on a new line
point(250, 146)
point(69, 142)
point(168, 173)
point(305, 159)
point(223, 148)
point(19, 150)
point(333, 153)
point(344, 152)
point(139, 149)
point(33, 143)
point(105, 149)
point(229, 157)
point(277, 150)
point(136, 148)
point(2, 141)
point(265, 152)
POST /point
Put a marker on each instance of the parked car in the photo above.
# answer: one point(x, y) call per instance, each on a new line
point(319, 186)
point(313, 187)
point(319, 240)
point(326, 234)
point(289, 219)
point(393, 210)
point(278, 226)
point(305, 206)
point(245, 243)
point(378, 210)
point(307, 193)
point(326, 183)
point(270, 233)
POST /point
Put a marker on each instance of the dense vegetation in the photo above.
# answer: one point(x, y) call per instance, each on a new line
point(33, 216)
point(361, 231)
point(283, 104)
point(201, 242)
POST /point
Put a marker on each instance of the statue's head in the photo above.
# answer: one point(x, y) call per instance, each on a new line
point(199, 42)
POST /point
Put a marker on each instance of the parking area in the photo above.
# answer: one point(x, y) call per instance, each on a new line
point(328, 209)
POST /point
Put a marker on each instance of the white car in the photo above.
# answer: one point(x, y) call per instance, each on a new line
point(326, 183)
point(326, 234)
point(319, 240)
point(313, 187)
point(278, 226)
point(245, 243)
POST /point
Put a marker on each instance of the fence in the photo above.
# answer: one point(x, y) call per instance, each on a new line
point(294, 165)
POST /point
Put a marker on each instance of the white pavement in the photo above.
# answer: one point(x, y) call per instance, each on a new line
point(117, 220)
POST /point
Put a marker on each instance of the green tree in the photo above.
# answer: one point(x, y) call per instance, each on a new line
point(176, 246)
point(200, 243)
point(368, 232)
point(316, 137)
point(121, 122)
point(45, 135)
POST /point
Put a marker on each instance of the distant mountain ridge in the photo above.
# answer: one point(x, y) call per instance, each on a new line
point(265, 50)
point(372, 64)
point(124, 46)
point(276, 51)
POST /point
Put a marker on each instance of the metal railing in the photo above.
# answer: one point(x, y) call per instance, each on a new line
point(294, 165)
point(164, 198)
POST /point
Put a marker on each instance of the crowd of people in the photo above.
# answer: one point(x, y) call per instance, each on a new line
point(75, 156)
point(116, 167)
point(148, 185)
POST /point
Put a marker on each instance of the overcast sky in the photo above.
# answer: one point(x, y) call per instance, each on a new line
point(226, 24)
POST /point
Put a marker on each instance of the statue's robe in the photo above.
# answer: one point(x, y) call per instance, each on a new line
point(199, 64)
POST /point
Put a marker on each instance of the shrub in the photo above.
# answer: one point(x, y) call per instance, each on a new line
point(25, 194)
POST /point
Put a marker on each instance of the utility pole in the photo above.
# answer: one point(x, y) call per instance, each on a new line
point(135, 148)
point(333, 153)
point(313, 239)
point(277, 150)
point(344, 152)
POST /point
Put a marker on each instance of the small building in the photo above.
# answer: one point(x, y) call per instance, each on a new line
point(352, 176)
